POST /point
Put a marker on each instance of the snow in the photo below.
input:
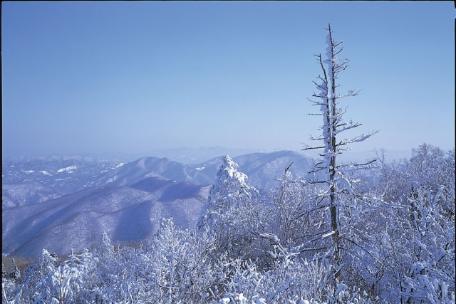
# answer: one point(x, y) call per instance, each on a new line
point(68, 169)
point(28, 171)
point(46, 173)
point(200, 168)
point(112, 179)
point(229, 169)
point(231, 184)
point(327, 234)
point(119, 165)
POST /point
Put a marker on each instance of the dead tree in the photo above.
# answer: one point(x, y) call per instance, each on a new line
point(328, 100)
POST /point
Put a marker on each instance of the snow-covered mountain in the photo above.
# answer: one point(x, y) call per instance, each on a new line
point(74, 201)
point(77, 220)
point(197, 155)
point(262, 168)
point(37, 180)
point(143, 168)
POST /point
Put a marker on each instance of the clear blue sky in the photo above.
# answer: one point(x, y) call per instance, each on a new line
point(100, 77)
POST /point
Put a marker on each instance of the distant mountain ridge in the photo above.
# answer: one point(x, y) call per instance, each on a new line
point(262, 168)
point(35, 181)
point(76, 202)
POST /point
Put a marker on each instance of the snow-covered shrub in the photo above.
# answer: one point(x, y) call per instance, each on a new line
point(294, 282)
point(182, 263)
point(10, 291)
point(53, 281)
point(417, 241)
point(296, 216)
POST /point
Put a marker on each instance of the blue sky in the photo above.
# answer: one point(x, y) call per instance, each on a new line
point(119, 77)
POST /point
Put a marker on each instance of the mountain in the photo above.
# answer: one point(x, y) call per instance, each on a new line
point(74, 201)
point(145, 167)
point(77, 220)
point(197, 155)
point(263, 169)
point(37, 180)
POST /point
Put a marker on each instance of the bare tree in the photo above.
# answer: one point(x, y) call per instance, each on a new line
point(329, 101)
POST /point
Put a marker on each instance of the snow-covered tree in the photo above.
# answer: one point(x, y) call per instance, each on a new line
point(418, 239)
point(56, 281)
point(230, 190)
point(234, 214)
point(328, 99)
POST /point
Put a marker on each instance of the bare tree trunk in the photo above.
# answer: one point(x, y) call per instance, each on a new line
point(332, 164)
point(335, 228)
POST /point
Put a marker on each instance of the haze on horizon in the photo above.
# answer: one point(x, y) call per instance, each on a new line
point(134, 77)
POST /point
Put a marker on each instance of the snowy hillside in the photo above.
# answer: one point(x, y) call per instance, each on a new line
point(145, 167)
point(77, 220)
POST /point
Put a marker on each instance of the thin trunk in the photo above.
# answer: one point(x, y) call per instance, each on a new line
point(332, 165)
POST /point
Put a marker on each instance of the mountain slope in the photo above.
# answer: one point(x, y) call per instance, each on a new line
point(77, 220)
point(143, 168)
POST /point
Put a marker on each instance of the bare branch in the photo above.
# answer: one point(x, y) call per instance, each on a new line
point(361, 247)
point(312, 148)
point(317, 170)
point(350, 93)
point(348, 126)
point(356, 139)
point(312, 249)
point(356, 165)
point(317, 138)
point(317, 182)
